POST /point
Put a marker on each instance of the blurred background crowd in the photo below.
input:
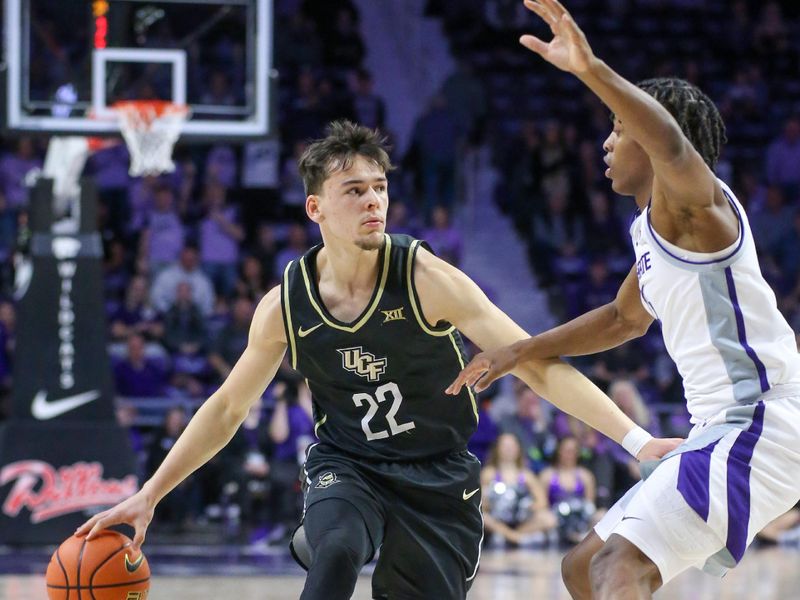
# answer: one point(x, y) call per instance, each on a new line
point(188, 255)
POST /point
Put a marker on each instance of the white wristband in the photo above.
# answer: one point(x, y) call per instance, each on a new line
point(635, 440)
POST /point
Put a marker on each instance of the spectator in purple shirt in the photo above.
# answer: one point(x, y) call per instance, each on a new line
point(443, 238)
point(232, 340)
point(163, 236)
point(221, 165)
point(138, 376)
point(774, 222)
point(13, 168)
point(141, 199)
point(116, 273)
point(297, 244)
point(783, 156)
point(397, 220)
point(369, 107)
point(486, 433)
point(252, 282)
point(265, 249)
point(291, 429)
point(293, 192)
point(596, 290)
point(109, 167)
point(435, 140)
point(220, 235)
point(136, 314)
point(530, 423)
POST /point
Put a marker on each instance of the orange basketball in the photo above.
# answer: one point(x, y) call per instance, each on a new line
point(103, 569)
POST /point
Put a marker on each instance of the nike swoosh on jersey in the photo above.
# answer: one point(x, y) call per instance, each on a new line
point(132, 566)
point(467, 496)
point(43, 410)
point(304, 332)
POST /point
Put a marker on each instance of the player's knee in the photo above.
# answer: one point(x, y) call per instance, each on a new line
point(575, 573)
point(339, 550)
point(619, 562)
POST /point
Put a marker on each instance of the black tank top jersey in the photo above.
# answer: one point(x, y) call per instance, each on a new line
point(378, 383)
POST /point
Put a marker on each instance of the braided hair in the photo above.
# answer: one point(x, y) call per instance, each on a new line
point(696, 114)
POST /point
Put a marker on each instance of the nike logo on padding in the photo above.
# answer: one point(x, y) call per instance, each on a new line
point(467, 496)
point(304, 332)
point(43, 410)
point(132, 566)
point(629, 517)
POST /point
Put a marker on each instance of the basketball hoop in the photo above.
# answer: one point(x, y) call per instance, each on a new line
point(150, 129)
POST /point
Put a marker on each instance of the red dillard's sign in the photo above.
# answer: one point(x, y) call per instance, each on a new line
point(48, 492)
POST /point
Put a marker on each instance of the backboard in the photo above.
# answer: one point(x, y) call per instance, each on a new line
point(68, 61)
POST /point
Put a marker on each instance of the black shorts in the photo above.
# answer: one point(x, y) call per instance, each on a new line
point(424, 516)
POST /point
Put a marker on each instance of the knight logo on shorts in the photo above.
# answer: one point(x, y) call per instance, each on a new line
point(327, 480)
point(362, 363)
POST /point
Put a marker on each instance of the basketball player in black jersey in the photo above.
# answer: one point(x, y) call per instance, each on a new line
point(372, 322)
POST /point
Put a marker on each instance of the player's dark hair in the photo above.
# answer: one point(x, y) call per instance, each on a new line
point(343, 141)
point(696, 114)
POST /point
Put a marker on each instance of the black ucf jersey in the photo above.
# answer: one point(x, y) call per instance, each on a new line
point(378, 383)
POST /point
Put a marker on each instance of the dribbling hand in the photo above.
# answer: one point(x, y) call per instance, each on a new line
point(136, 511)
point(568, 50)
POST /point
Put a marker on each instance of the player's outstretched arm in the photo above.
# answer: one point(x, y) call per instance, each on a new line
point(212, 426)
point(447, 294)
point(678, 168)
point(600, 329)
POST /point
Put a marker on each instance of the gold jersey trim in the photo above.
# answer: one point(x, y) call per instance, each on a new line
point(288, 315)
point(412, 252)
point(382, 283)
point(468, 388)
point(319, 424)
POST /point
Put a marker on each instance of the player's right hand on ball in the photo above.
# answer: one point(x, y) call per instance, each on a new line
point(484, 369)
point(136, 511)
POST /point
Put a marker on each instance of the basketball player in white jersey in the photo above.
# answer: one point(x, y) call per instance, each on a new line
point(696, 272)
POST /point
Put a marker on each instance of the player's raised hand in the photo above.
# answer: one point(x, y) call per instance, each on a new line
point(483, 369)
point(136, 511)
point(568, 50)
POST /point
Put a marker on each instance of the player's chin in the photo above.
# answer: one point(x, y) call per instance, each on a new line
point(618, 185)
point(371, 241)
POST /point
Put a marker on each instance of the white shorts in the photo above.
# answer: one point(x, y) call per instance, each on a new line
point(703, 505)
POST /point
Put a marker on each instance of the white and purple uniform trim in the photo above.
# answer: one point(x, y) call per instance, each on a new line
point(738, 359)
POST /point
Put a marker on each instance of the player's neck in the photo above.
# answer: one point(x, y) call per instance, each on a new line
point(643, 198)
point(348, 268)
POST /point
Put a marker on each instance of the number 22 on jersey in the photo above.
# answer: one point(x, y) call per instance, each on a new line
point(381, 395)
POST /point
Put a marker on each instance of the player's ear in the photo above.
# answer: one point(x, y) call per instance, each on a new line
point(312, 208)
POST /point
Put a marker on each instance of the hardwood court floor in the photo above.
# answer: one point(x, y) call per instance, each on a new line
point(766, 574)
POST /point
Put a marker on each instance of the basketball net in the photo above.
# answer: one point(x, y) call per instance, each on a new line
point(150, 128)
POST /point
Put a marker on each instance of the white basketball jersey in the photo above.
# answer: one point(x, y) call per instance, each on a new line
point(718, 315)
